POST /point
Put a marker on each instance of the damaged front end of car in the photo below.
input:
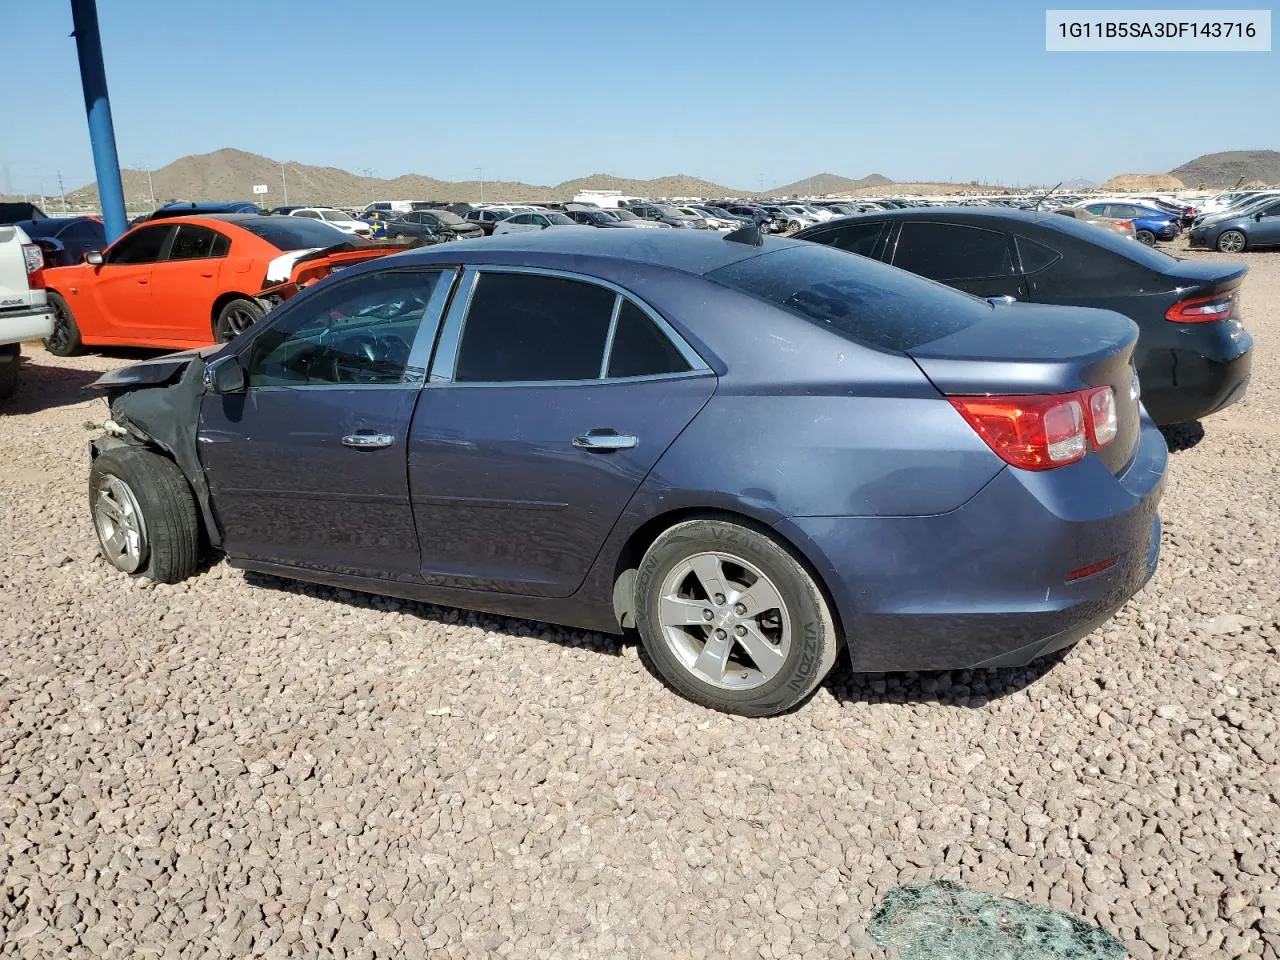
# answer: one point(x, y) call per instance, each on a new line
point(156, 404)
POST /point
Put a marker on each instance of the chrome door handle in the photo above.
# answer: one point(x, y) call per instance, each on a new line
point(604, 442)
point(368, 441)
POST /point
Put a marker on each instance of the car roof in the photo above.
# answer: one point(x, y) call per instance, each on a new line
point(688, 251)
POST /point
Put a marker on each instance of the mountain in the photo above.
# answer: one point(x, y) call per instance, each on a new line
point(1144, 181)
point(1227, 168)
point(1079, 183)
point(230, 174)
point(821, 184)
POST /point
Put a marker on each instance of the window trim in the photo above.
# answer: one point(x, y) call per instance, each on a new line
point(445, 363)
point(424, 341)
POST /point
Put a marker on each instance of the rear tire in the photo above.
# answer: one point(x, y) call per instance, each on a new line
point(1232, 241)
point(235, 317)
point(9, 363)
point(1145, 237)
point(144, 514)
point(65, 339)
point(769, 639)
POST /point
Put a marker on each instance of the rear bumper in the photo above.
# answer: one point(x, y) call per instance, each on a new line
point(1180, 385)
point(985, 585)
point(33, 324)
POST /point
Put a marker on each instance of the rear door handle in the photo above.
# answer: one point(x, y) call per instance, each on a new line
point(368, 441)
point(605, 442)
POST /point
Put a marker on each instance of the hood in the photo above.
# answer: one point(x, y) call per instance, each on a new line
point(152, 372)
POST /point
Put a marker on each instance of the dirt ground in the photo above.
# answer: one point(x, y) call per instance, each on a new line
point(240, 766)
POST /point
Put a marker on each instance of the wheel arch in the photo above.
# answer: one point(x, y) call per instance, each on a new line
point(224, 298)
point(629, 556)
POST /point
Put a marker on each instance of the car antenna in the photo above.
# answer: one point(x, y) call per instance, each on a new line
point(1047, 195)
point(750, 234)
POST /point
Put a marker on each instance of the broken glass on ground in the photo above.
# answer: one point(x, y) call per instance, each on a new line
point(942, 920)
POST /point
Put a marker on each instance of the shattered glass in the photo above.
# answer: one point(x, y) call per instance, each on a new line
point(942, 920)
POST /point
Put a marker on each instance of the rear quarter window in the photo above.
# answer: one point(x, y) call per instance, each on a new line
point(859, 299)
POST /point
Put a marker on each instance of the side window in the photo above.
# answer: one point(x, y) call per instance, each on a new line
point(859, 238)
point(359, 332)
point(192, 243)
point(524, 327)
point(640, 349)
point(221, 245)
point(140, 246)
point(1097, 209)
point(520, 218)
point(949, 251)
point(541, 221)
point(1035, 256)
point(1272, 211)
point(309, 214)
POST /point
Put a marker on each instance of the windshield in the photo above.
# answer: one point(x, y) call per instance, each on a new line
point(623, 215)
point(335, 215)
point(559, 218)
point(667, 211)
point(295, 233)
point(444, 216)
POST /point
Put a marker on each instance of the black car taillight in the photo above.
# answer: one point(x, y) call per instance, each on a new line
point(1218, 306)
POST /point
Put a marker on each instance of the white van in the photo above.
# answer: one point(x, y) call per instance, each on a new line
point(390, 206)
point(606, 199)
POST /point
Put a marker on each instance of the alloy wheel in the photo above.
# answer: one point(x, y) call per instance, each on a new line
point(60, 337)
point(724, 620)
point(237, 322)
point(1231, 242)
point(117, 517)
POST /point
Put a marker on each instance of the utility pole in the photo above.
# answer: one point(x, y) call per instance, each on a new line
point(151, 188)
point(480, 175)
point(284, 183)
point(62, 192)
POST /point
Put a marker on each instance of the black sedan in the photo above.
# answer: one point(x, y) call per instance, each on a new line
point(1193, 356)
point(65, 240)
point(432, 226)
point(595, 218)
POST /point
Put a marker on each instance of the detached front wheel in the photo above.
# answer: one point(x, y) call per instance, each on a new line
point(731, 620)
point(144, 514)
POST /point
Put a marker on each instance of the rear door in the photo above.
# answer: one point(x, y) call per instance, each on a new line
point(973, 259)
point(551, 398)
point(184, 284)
point(1266, 226)
point(121, 288)
point(307, 466)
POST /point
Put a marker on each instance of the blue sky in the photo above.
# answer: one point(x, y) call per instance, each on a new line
point(543, 92)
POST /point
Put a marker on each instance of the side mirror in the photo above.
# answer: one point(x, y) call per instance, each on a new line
point(1258, 216)
point(224, 375)
point(94, 258)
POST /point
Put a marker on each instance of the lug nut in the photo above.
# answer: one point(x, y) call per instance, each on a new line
point(740, 609)
point(720, 634)
point(719, 599)
point(740, 630)
point(708, 615)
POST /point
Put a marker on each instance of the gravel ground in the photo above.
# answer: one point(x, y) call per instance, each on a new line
point(239, 766)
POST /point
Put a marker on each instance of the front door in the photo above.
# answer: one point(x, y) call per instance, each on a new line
point(307, 466)
point(528, 443)
point(122, 286)
point(972, 259)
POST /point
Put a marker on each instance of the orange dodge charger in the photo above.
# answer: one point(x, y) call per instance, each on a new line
point(192, 281)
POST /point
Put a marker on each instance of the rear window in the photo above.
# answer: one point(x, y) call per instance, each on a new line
point(296, 233)
point(1112, 241)
point(860, 299)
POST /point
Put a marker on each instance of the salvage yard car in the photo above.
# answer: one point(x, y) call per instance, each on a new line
point(24, 311)
point(1194, 356)
point(190, 281)
point(751, 450)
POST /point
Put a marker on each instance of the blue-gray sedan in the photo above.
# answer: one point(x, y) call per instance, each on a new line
point(752, 451)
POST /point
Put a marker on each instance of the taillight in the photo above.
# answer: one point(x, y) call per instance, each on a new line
point(1218, 306)
point(1043, 431)
point(34, 257)
point(1103, 422)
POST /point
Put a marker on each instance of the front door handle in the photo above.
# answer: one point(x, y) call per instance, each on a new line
point(368, 441)
point(604, 442)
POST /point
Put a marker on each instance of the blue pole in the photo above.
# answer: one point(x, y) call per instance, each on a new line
point(102, 135)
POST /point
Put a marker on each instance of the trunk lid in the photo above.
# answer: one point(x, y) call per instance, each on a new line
point(1203, 277)
point(1037, 349)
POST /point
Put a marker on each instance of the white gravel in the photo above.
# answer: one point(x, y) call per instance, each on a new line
point(238, 766)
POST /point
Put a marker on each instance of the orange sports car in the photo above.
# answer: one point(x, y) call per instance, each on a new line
point(192, 281)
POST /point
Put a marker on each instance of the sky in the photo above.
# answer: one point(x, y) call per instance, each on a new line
point(744, 93)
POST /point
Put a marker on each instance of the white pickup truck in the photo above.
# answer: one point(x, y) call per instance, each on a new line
point(24, 311)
